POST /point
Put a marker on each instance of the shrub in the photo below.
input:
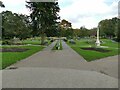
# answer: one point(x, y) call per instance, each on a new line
point(92, 43)
point(72, 41)
point(51, 40)
point(45, 43)
point(7, 42)
point(116, 39)
point(18, 44)
point(78, 38)
point(48, 38)
point(65, 40)
point(57, 45)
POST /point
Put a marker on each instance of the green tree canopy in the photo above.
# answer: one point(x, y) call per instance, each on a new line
point(108, 27)
point(15, 25)
point(44, 16)
point(1, 4)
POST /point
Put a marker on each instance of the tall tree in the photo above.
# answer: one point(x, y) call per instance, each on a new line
point(66, 29)
point(65, 24)
point(108, 27)
point(1, 4)
point(44, 16)
point(15, 25)
point(83, 32)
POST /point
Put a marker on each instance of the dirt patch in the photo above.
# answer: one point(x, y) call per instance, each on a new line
point(96, 49)
point(13, 49)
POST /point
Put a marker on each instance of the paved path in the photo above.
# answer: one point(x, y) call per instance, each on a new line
point(56, 78)
point(62, 69)
point(66, 58)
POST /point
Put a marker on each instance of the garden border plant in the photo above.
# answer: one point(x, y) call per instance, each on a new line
point(56, 45)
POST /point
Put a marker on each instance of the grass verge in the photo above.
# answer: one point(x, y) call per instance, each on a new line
point(33, 42)
point(91, 55)
point(8, 58)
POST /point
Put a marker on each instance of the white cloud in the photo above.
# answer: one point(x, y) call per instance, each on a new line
point(88, 12)
point(16, 6)
point(78, 12)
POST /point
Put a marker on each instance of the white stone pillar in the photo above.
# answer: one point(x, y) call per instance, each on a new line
point(98, 41)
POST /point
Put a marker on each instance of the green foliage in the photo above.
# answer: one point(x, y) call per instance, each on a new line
point(109, 27)
point(91, 42)
point(44, 17)
point(33, 42)
point(65, 24)
point(84, 32)
point(1, 4)
point(66, 29)
point(7, 42)
point(15, 25)
point(56, 46)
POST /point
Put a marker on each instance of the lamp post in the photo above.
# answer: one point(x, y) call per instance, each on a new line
point(97, 41)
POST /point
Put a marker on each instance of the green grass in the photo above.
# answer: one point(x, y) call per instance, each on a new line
point(0, 41)
point(8, 58)
point(54, 48)
point(93, 55)
point(34, 42)
point(109, 43)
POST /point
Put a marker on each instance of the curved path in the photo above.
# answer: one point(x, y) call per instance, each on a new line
point(63, 68)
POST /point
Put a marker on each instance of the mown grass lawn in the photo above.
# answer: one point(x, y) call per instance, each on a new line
point(34, 42)
point(8, 58)
point(90, 55)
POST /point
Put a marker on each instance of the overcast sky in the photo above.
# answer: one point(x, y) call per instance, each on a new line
point(79, 12)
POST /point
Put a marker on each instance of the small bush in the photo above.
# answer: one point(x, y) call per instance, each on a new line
point(78, 38)
point(48, 38)
point(45, 43)
point(58, 46)
point(18, 44)
point(116, 39)
point(65, 40)
point(7, 42)
point(72, 41)
point(52, 40)
point(102, 42)
point(92, 43)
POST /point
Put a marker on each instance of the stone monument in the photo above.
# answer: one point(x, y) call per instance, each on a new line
point(98, 39)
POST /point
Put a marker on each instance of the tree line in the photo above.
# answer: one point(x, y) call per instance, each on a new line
point(15, 25)
point(69, 32)
point(109, 28)
point(43, 21)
